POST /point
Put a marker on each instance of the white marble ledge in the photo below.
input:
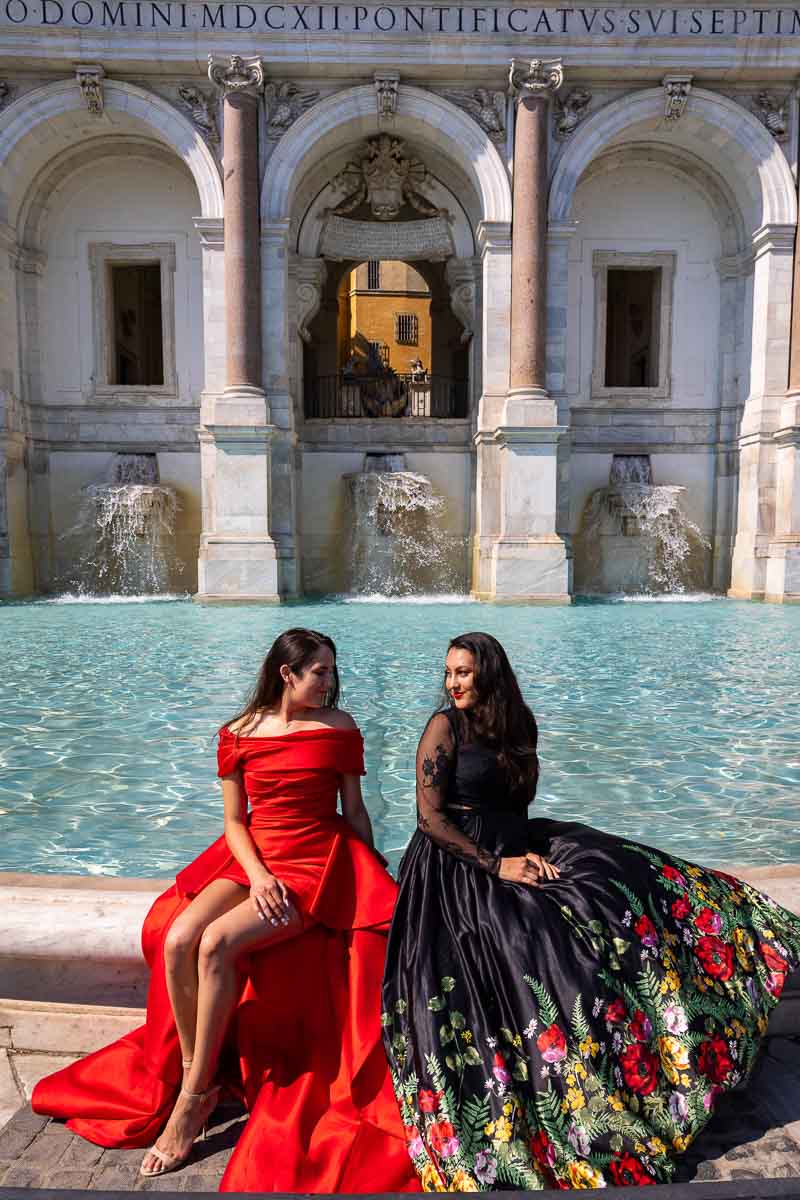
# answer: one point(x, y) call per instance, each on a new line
point(72, 923)
point(72, 917)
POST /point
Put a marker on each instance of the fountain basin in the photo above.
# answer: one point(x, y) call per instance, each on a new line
point(675, 722)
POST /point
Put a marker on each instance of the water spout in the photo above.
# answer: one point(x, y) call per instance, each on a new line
point(125, 530)
point(397, 544)
point(635, 537)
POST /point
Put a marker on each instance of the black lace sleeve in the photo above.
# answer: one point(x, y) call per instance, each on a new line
point(435, 759)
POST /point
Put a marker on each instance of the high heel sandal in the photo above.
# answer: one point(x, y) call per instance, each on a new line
point(171, 1162)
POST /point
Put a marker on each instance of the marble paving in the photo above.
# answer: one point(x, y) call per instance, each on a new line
point(754, 1136)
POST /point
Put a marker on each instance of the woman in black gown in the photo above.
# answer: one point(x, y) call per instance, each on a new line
point(562, 1007)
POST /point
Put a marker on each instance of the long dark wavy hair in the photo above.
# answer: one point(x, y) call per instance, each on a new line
point(296, 649)
point(501, 718)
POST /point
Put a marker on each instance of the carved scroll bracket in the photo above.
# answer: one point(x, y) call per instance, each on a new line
point(309, 275)
point(676, 95)
point(460, 275)
point(90, 78)
point(387, 86)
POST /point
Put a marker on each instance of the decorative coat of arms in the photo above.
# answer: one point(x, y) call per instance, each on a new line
point(386, 179)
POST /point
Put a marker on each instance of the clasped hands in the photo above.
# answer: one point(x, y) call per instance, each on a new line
point(528, 868)
point(270, 899)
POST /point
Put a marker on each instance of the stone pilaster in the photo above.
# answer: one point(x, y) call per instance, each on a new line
point(530, 559)
point(238, 559)
point(763, 419)
point(16, 565)
point(783, 566)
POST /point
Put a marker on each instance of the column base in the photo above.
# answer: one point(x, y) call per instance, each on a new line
point(529, 407)
point(532, 570)
point(744, 594)
point(749, 567)
point(783, 571)
point(242, 569)
point(240, 405)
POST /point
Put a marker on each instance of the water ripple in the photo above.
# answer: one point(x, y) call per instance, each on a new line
point(674, 723)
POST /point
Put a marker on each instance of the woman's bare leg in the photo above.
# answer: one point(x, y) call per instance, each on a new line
point(221, 944)
point(180, 954)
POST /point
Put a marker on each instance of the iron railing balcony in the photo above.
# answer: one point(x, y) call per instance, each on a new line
point(388, 395)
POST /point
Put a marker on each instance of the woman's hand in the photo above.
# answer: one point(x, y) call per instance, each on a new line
point(270, 898)
point(527, 868)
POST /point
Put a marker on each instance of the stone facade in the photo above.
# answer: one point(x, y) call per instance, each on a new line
point(530, 154)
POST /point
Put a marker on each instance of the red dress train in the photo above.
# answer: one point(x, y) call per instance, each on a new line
point(304, 1049)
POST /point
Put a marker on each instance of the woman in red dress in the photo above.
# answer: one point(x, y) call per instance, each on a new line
point(266, 958)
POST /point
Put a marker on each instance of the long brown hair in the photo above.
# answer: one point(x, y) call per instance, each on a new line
point(296, 649)
point(500, 717)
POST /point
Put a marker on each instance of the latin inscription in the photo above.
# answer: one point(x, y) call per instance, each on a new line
point(412, 20)
point(344, 239)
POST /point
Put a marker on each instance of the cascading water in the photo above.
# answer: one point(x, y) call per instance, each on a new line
point(125, 530)
point(634, 536)
point(397, 545)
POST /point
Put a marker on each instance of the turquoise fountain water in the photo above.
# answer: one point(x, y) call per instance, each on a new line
point(675, 723)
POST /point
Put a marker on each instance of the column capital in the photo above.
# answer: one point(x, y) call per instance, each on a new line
point(237, 75)
point(536, 77)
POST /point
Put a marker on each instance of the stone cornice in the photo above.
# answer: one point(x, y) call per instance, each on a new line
point(789, 436)
point(494, 236)
point(248, 434)
point(561, 231)
point(211, 231)
point(520, 435)
point(773, 239)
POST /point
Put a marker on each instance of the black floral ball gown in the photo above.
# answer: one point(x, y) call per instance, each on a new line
point(577, 1034)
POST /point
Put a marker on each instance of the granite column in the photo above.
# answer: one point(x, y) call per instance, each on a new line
point(533, 85)
point(238, 559)
point(531, 557)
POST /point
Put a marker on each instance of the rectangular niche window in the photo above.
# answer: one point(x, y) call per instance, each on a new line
point(138, 348)
point(374, 274)
point(406, 329)
point(133, 305)
point(633, 324)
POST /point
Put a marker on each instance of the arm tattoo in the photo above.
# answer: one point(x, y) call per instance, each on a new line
point(434, 771)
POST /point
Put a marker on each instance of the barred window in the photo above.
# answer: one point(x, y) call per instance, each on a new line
point(406, 329)
point(374, 275)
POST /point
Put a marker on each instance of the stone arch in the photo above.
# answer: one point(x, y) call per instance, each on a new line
point(730, 140)
point(684, 165)
point(430, 120)
point(43, 194)
point(61, 106)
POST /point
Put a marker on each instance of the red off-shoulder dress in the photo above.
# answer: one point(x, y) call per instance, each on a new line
point(304, 1048)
